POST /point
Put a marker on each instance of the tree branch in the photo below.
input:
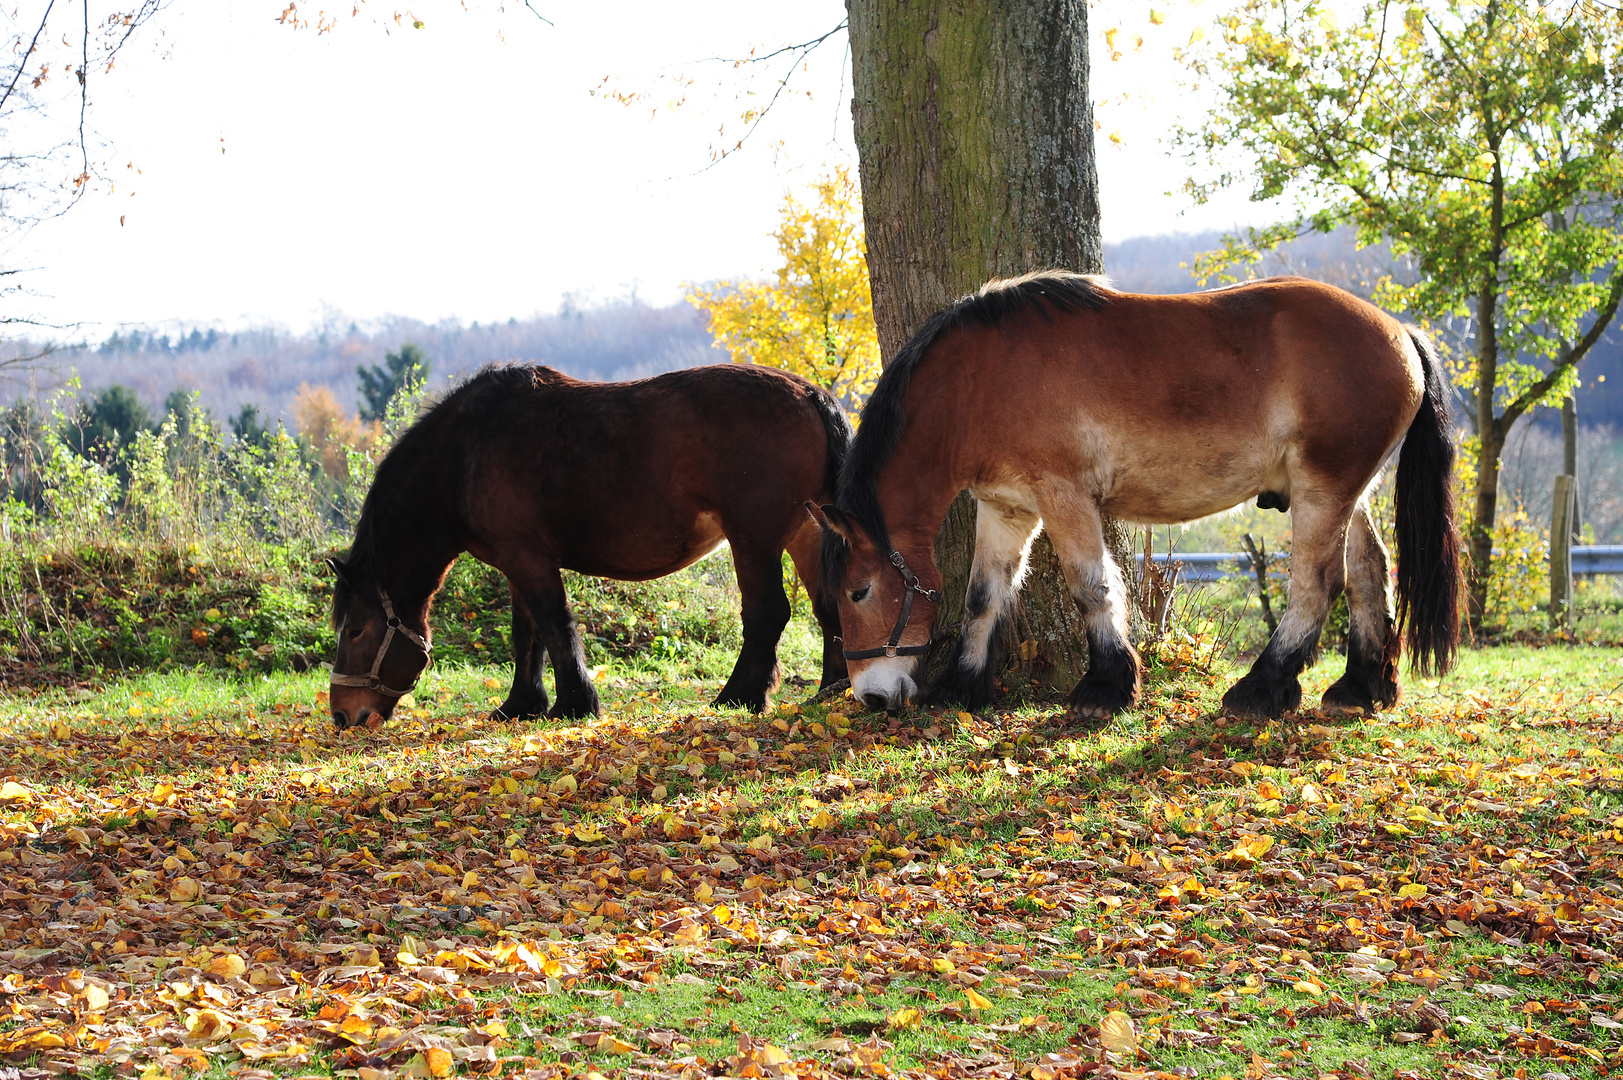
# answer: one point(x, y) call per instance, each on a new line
point(24, 61)
point(1569, 355)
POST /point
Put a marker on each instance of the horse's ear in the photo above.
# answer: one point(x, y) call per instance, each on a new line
point(339, 570)
point(832, 519)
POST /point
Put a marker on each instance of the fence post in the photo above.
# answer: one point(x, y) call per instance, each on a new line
point(1561, 552)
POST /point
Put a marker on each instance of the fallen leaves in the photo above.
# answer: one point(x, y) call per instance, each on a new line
point(203, 898)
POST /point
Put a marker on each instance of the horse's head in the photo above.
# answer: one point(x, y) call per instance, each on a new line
point(885, 609)
point(379, 654)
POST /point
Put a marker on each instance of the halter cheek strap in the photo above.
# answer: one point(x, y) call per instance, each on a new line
point(894, 646)
point(393, 626)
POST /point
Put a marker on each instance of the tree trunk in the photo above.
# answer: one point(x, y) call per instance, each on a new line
point(975, 132)
point(1491, 440)
point(1569, 461)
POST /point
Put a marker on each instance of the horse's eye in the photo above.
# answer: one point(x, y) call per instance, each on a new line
point(859, 595)
point(355, 632)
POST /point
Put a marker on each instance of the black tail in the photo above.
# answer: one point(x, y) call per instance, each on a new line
point(1428, 541)
point(837, 427)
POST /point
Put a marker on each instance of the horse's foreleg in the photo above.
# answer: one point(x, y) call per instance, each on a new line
point(766, 613)
point(1373, 645)
point(543, 589)
point(805, 549)
point(1318, 573)
point(1077, 532)
point(528, 698)
point(1002, 537)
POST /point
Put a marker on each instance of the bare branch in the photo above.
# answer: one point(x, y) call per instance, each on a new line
point(24, 61)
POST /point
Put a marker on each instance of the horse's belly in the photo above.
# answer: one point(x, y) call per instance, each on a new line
point(644, 551)
point(1173, 503)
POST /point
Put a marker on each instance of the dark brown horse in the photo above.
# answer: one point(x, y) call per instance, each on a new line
point(1054, 400)
point(534, 472)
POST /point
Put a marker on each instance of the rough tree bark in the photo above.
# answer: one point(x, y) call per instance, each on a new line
point(975, 134)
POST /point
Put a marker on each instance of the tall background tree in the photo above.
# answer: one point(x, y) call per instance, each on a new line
point(1480, 138)
point(409, 367)
point(816, 319)
point(975, 131)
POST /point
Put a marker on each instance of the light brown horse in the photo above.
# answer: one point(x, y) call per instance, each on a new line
point(1054, 400)
point(533, 472)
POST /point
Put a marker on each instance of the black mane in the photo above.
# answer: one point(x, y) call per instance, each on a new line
point(883, 421)
point(364, 561)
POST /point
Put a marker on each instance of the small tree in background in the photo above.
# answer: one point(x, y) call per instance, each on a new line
point(1480, 138)
point(106, 424)
point(816, 320)
point(408, 367)
point(247, 428)
point(328, 430)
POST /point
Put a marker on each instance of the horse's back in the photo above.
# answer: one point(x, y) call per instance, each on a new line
point(1173, 407)
point(636, 479)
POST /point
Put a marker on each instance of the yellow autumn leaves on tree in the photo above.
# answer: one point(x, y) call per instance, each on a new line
point(816, 319)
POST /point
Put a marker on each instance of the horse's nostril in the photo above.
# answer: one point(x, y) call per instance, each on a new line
point(875, 701)
point(340, 719)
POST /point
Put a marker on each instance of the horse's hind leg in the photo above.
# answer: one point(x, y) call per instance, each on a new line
point(1371, 681)
point(543, 589)
point(766, 613)
point(528, 698)
point(1077, 532)
point(805, 548)
point(1318, 573)
point(1003, 535)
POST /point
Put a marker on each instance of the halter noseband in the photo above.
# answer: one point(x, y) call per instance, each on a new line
point(894, 647)
point(370, 680)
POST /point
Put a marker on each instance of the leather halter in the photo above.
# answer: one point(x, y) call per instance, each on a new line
point(894, 647)
point(370, 680)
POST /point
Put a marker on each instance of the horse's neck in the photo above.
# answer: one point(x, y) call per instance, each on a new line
point(415, 560)
point(918, 484)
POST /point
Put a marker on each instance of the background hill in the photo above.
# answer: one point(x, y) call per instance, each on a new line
point(628, 339)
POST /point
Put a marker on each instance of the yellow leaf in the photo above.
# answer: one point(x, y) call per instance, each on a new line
point(1305, 987)
point(943, 965)
point(586, 833)
point(723, 914)
point(1415, 891)
point(11, 791)
point(976, 1001)
point(564, 785)
point(904, 1019)
point(470, 880)
point(208, 1025)
point(822, 820)
point(613, 1045)
point(762, 843)
point(440, 1061)
point(96, 997)
point(1118, 1035)
point(185, 890)
point(227, 966)
point(1157, 17)
point(1259, 846)
point(703, 893)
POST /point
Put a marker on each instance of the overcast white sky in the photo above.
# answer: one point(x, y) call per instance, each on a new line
point(465, 170)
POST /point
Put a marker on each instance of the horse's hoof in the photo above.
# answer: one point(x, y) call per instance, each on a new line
point(1252, 696)
point(1088, 717)
point(518, 710)
point(1345, 695)
point(576, 710)
point(741, 701)
point(1101, 699)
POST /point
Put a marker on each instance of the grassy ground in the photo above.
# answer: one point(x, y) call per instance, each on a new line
point(198, 875)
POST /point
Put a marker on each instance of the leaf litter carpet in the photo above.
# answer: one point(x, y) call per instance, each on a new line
point(811, 893)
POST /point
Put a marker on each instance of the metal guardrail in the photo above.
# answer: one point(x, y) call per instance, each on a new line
point(1587, 561)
